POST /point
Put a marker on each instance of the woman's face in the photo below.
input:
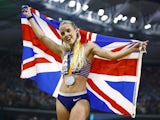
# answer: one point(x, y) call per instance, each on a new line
point(68, 34)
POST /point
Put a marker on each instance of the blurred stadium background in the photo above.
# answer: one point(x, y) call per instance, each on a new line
point(132, 19)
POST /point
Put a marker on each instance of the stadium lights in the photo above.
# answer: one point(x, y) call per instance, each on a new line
point(85, 7)
point(124, 18)
point(72, 3)
point(152, 26)
point(148, 26)
point(127, 17)
point(133, 19)
point(115, 21)
point(101, 12)
point(104, 17)
point(121, 16)
point(118, 18)
point(61, 1)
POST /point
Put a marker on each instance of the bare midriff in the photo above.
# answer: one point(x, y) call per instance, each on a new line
point(78, 86)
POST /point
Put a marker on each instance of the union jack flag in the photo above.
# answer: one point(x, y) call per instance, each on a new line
point(112, 85)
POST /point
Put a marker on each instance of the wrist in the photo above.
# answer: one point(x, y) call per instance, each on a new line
point(28, 18)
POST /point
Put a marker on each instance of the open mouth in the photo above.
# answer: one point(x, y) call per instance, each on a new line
point(68, 39)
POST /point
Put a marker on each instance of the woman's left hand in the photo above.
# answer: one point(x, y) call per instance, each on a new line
point(143, 46)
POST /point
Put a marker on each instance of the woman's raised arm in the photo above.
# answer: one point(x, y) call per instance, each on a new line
point(58, 49)
point(96, 50)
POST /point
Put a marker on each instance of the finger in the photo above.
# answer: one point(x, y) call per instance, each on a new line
point(140, 47)
point(24, 8)
point(144, 49)
point(147, 41)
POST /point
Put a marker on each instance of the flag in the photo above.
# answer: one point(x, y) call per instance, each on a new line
point(112, 85)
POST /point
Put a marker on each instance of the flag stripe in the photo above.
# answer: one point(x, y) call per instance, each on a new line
point(122, 67)
point(55, 32)
point(35, 61)
point(113, 91)
point(120, 48)
point(36, 42)
point(112, 78)
point(112, 102)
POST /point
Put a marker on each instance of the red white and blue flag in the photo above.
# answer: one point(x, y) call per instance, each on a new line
point(112, 85)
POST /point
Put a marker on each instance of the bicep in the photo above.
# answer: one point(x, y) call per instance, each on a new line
point(97, 50)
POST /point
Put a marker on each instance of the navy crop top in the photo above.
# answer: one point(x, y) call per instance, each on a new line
point(83, 72)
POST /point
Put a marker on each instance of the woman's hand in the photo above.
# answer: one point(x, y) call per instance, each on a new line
point(144, 46)
point(26, 11)
point(141, 46)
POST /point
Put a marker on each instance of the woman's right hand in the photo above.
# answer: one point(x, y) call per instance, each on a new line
point(26, 10)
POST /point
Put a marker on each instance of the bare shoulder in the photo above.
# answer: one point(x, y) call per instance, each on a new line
point(92, 46)
point(90, 43)
point(89, 47)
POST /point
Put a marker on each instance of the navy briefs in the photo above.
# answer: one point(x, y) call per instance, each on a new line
point(70, 99)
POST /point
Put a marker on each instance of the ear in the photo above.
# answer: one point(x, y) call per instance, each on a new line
point(77, 30)
point(78, 34)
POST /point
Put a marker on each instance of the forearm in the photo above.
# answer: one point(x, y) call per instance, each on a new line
point(37, 30)
point(113, 55)
point(47, 41)
point(123, 53)
point(41, 35)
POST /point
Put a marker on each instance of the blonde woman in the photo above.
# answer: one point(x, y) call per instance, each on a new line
point(73, 102)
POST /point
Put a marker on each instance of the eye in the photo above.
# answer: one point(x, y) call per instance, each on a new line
point(68, 30)
point(62, 33)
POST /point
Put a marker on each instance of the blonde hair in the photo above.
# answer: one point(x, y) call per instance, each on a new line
point(80, 58)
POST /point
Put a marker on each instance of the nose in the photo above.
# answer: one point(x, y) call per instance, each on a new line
point(66, 34)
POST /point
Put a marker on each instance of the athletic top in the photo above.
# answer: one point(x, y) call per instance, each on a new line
point(65, 68)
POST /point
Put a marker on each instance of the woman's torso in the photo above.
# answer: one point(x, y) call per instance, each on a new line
point(80, 81)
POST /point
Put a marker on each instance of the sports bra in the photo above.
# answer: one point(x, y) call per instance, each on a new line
point(83, 72)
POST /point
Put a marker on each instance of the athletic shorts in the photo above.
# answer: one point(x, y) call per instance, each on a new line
point(70, 99)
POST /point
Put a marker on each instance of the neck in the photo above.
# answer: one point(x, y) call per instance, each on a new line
point(72, 46)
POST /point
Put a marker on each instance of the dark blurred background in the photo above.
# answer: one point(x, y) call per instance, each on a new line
point(132, 19)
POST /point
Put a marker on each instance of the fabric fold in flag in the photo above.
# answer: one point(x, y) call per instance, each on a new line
point(112, 85)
